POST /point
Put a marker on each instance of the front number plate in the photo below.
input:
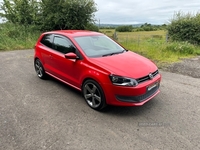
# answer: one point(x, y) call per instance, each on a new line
point(152, 86)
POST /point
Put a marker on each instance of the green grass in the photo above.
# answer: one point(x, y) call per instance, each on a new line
point(153, 45)
point(157, 51)
point(17, 37)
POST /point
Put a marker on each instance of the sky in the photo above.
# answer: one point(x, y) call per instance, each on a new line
point(142, 11)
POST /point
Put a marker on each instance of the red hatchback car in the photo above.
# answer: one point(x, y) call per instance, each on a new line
point(105, 72)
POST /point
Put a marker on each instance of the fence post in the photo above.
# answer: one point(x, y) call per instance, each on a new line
point(167, 37)
point(115, 35)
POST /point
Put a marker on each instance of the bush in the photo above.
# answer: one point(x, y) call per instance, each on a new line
point(181, 47)
point(17, 37)
point(185, 27)
point(124, 28)
point(139, 29)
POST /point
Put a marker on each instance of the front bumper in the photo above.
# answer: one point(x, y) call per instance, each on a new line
point(140, 98)
point(132, 96)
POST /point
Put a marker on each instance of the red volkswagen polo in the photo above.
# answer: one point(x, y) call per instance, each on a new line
point(105, 72)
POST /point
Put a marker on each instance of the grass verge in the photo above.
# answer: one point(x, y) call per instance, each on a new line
point(155, 46)
point(163, 53)
point(14, 37)
point(151, 44)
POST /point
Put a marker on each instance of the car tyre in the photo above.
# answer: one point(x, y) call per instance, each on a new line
point(94, 95)
point(40, 69)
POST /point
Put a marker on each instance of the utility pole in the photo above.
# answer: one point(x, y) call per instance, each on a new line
point(99, 23)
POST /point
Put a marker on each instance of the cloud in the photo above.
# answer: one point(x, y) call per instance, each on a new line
point(136, 11)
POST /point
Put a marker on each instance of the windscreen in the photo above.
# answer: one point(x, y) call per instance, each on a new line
point(98, 46)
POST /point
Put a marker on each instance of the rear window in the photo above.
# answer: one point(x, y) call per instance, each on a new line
point(47, 40)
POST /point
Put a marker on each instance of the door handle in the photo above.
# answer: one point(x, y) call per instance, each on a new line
point(50, 56)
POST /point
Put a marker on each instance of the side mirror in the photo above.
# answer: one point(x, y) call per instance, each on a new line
point(71, 56)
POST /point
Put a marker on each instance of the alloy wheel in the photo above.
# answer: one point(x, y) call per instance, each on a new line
point(92, 95)
point(39, 69)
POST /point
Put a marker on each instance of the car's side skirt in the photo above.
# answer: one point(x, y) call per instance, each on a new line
point(64, 81)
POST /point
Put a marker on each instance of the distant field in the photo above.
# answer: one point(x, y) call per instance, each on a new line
point(136, 37)
point(141, 34)
point(154, 45)
point(160, 32)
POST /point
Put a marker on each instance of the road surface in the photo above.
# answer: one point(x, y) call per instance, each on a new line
point(40, 114)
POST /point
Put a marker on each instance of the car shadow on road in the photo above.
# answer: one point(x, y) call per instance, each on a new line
point(131, 111)
point(67, 87)
point(111, 110)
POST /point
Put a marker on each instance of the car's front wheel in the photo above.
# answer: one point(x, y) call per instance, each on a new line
point(94, 95)
point(39, 69)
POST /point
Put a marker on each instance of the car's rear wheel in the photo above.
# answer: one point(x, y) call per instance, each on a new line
point(39, 69)
point(94, 95)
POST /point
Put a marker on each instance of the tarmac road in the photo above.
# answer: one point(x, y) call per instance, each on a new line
point(40, 114)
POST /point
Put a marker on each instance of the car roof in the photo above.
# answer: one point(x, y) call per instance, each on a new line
point(74, 33)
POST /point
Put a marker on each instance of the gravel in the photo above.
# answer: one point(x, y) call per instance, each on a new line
point(189, 67)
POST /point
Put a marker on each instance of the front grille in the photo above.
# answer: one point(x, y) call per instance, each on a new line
point(138, 99)
point(146, 78)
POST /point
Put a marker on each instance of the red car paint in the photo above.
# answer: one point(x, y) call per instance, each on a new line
point(75, 71)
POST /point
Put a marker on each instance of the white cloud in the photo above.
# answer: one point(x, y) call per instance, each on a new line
point(137, 11)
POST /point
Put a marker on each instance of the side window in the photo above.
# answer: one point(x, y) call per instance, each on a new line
point(63, 45)
point(47, 40)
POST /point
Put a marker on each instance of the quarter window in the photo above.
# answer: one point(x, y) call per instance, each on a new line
point(47, 40)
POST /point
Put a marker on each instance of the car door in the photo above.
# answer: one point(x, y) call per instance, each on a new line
point(66, 69)
point(46, 51)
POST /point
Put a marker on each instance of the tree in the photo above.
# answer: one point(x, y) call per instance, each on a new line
point(22, 12)
point(185, 27)
point(148, 27)
point(50, 14)
point(124, 28)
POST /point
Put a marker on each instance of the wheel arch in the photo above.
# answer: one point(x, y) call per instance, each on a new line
point(41, 60)
point(100, 89)
point(84, 80)
point(36, 58)
point(95, 78)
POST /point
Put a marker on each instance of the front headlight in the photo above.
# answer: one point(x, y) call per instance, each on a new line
point(123, 81)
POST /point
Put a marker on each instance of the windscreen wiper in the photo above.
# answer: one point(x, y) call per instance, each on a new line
point(110, 54)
